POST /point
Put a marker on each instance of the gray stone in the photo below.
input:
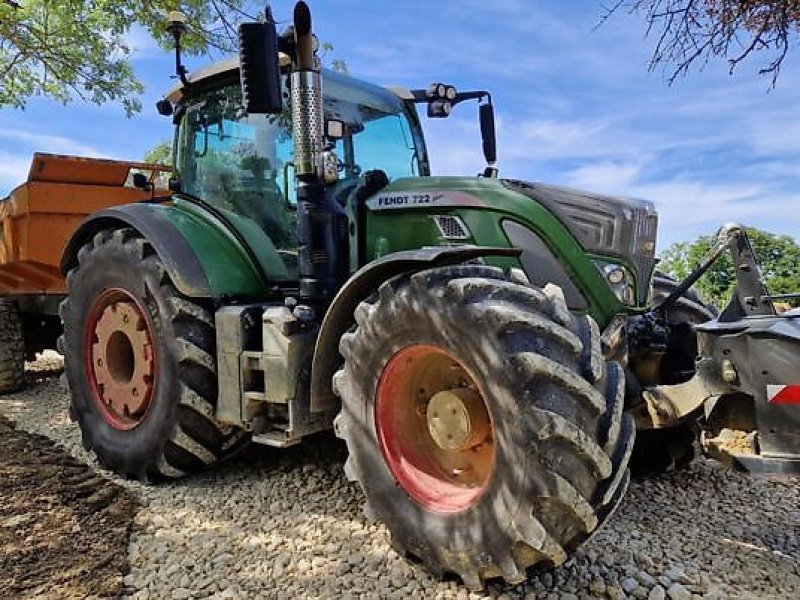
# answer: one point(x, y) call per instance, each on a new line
point(678, 592)
point(615, 592)
point(675, 573)
point(657, 593)
point(597, 586)
point(629, 584)
point(646, 579)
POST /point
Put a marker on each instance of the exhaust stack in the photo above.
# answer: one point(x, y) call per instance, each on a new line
point(322, 225)
point(307, 113)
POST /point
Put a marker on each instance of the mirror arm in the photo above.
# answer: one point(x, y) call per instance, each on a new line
point(476, 95)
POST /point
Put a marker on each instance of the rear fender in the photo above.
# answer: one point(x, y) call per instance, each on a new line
point(202, 260)
point(339, 317)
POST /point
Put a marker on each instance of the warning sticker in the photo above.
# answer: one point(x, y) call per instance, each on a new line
point(783, 394)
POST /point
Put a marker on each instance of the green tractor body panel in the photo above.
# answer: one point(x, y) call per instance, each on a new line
point(239, 261)
point(404, 215)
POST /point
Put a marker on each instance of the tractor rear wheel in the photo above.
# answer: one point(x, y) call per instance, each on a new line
point(12, 349)
point(483, 424)
point(662, 450)
point(140, 360)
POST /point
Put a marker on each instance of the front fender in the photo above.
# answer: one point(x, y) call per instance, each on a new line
point(339, 317)
point(201, 256)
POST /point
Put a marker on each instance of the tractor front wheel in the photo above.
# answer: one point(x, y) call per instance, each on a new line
point(483, 424)
point(140, 360)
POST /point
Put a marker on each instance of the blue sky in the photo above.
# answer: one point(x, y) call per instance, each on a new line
point(576, 106)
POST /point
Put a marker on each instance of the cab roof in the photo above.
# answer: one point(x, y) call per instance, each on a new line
point(229, 69)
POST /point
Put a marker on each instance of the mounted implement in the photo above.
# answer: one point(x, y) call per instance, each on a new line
point(747, 374)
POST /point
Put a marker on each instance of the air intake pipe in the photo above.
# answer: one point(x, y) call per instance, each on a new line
point(322, 228)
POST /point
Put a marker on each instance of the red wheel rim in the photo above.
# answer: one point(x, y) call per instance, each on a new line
point(434, 428)
point(120, 359)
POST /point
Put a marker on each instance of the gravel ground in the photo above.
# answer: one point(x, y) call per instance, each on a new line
point(286, 524)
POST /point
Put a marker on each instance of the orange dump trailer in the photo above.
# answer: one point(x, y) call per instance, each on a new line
point(40, 215)
point(37, 220)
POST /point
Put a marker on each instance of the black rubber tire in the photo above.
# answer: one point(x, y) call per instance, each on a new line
point(689, 308)
point(662, 450)
point(12, 349)
point(178, 435)
point(562, 441)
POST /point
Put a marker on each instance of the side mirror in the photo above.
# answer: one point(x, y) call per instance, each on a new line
point(486, 114)
point(164, 108)
point(258, 67)
point(140, 181)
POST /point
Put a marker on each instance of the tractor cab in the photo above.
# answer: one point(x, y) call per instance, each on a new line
point(243, 164)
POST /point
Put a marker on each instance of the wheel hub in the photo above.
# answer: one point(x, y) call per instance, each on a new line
point(122, 360)
point(434, 428)
point(457, 419)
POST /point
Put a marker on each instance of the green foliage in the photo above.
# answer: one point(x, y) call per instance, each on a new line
point(160, 154)
point(778, 255)
point(81, 48)
point(326, 54)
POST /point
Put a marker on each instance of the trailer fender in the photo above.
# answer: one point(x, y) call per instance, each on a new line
point(180, 260)
point(339, 316)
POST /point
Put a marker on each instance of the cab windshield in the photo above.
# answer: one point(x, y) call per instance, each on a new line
point(243, 163)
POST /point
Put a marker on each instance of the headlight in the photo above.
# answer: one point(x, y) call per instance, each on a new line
point(620, 280)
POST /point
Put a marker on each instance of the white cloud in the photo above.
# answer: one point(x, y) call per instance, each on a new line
point(606, 177)
point(13, 171)
point(48, 143)
point(689, 208)
point(141, 44)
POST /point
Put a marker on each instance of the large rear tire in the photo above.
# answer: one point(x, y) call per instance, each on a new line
point(483, 424)
point(12, 349)
point(663, 450)
point(140, 360)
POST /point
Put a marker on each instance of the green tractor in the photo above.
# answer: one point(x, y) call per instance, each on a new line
point(466, 336)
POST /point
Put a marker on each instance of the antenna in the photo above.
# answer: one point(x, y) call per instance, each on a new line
point(177, 27)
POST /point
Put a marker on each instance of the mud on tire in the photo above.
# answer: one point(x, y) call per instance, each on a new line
point(176, 434)
point(560, 439)
point(12, 349)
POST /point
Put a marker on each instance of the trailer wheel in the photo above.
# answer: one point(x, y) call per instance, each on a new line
point(483, 424)
point(140, 360)
point(662, 450)
point(12, 349)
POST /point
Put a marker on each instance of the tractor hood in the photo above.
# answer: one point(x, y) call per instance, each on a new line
point(604, 225)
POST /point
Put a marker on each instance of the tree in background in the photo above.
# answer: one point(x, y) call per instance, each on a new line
point(694, 31)
point(81, 48)
point(778, 255)
point(160, 154)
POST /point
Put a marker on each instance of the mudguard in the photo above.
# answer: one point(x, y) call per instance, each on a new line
point(203, 258)
point(339, 316)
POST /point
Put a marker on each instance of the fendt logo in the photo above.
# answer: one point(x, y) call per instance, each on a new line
point(408, 199)
point(400, 200)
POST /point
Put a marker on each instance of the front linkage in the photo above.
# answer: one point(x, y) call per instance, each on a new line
point(747, 376)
